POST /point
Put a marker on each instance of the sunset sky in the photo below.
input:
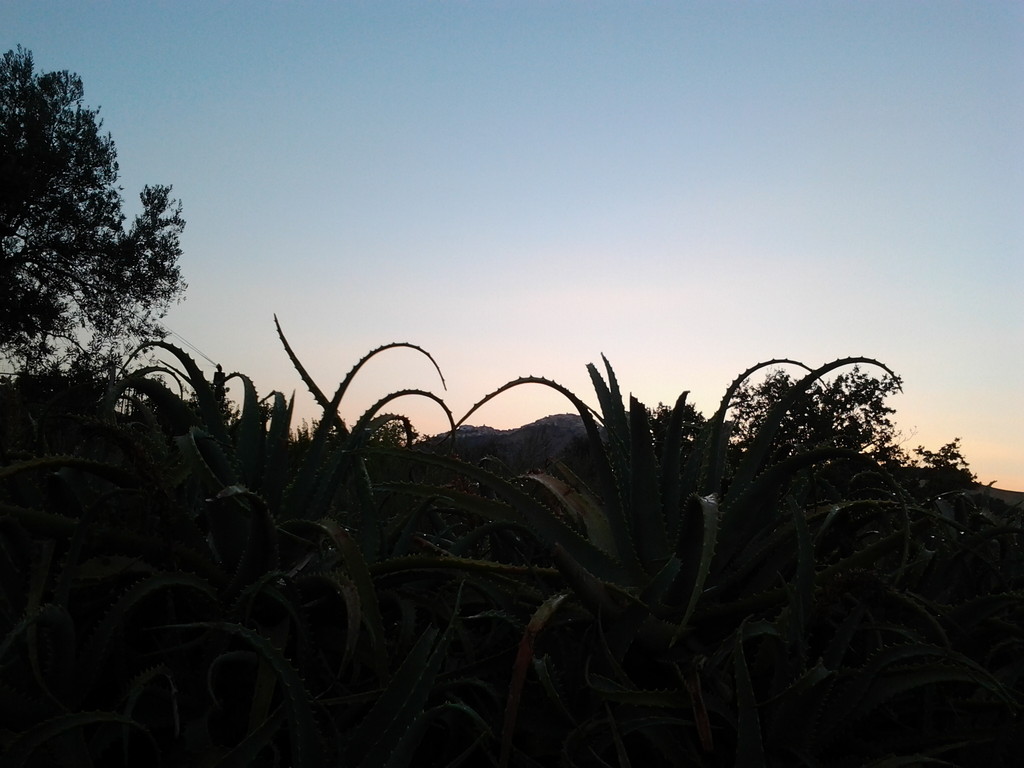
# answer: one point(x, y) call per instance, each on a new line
point(686, 187)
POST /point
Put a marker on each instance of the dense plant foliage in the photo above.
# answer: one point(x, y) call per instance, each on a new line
point(180, 585)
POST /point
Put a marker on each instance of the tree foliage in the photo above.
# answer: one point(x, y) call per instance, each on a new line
point(848, 411)
point(76, 285)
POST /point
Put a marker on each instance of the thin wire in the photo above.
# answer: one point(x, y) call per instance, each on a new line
point(188, 344)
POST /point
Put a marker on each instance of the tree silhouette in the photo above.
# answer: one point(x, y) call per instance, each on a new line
point(76, 286)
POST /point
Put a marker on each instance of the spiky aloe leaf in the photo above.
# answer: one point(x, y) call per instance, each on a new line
point(524, 656)
point(696, 550)
point(314, 390)
point(330, 407)
point(607, 478)
point(749, 738)
point(547, 526)
point(342, 586)
point(171, 405)
point(109, 472)
point(150, 548)
point(897, 669)
point(407, 750)
point(754, 508)
point(208, 458)
point(616, 422)
point(250, 437)
point(673, 491)
point(544, 667)
point(252, 523)
point(402, 702)
point(899, 761)
point(50, 638)
point(97, 648)
point(706, 465)
point(209, 405)
point(359, 573)
point(366, 422)
point(247, 751)
point(646, 515)
point(304, 739)
point(793, 711)
point(275, 463)
point(582, 507)
point(611, 690)
point(23, 747)
point(802, 591)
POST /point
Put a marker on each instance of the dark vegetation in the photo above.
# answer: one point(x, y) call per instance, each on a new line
point(188, 581)
point(78, 289)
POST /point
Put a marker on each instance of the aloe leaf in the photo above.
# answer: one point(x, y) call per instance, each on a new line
point(326, 465)
point(609, 486)
point(118, 541)
point(247, 751)
point(209, 405)
point(791, 727)
point(207, 458)
point(321, 399)
point(358, 571)
point(711, 459)
point(611, 690)
point(110, 472)
point(645, 504)
point(347, 381)
point(275, 462)
point(266, 678)
point(544, 667)
point(609, 399)
point(403, 701)
point(23, 747)
point(346, 591)
point(317, 476)
point(542, 520)
point(673, 492)
point(407, 751)
point(841, 639)
point(696, 551)
point(754, 507)
point(171, 406)
point(304, 739)
point(369, 532)
point(465, 545)
point(96, 650)
point(889, 672)
point(249, 448)
point(257, 532)
point(749, 741)
point(803, 586)
point(365, 422)
point(47, 630)
point(524, 657)
point(582, 506)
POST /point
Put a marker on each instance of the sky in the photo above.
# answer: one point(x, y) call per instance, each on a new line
point(687, 188)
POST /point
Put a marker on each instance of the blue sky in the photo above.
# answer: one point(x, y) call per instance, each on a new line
point(519, 187)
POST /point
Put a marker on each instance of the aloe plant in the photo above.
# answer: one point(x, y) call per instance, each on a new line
point(183, 587)
point(179, 581)
point(684, 562)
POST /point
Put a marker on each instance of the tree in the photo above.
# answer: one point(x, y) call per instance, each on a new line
point(848, 411)
point(76, 287)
